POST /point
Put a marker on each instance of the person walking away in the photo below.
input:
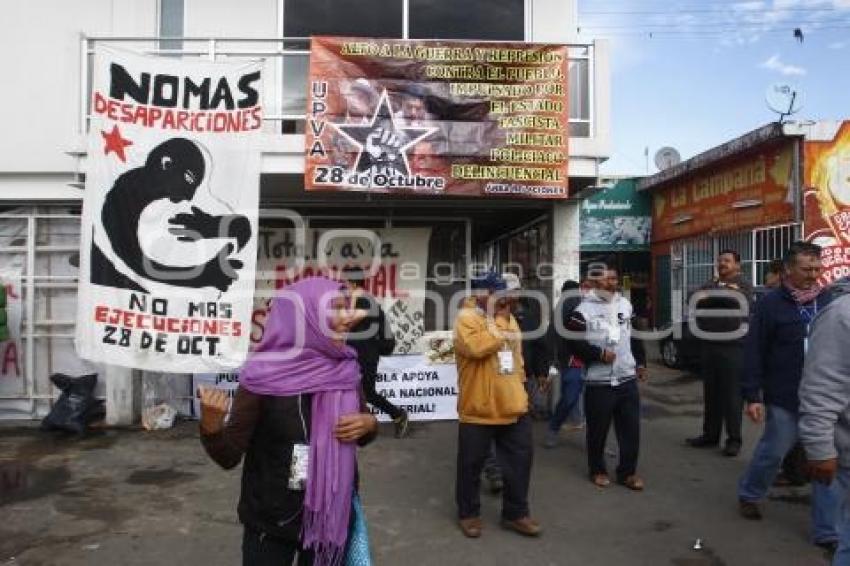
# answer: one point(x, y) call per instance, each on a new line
point(296, 419)
point(372, 337)
point(536, 355)
point(492, 408)
point(825, 406)
point(774, 350)
point(721, 352)
point(615, 362)
point(570, 367)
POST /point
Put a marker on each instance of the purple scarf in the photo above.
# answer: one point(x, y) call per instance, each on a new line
point(328, 371)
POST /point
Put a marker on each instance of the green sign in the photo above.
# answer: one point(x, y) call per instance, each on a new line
point(617, 218)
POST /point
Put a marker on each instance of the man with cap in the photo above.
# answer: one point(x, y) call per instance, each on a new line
point(492, 407)
point(535, 359)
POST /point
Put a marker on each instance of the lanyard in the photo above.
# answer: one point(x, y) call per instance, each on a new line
point(808, 314)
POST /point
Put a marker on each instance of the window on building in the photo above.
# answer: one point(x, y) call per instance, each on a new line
point(171, 23)
point(361, 18)
point(469, 19)
point(579, 93)
point(303, 18)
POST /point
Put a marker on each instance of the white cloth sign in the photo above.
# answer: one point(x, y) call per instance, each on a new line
point(427, 392)
point(226, 381)
point(169, 227)
point(398, 280)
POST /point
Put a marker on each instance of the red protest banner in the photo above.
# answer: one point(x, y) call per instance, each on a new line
point(437, 117)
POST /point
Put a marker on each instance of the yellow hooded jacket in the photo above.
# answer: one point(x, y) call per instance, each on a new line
point(486, 396)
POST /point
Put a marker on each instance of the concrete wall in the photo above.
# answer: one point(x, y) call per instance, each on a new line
point(40, 57)
point(223, 18)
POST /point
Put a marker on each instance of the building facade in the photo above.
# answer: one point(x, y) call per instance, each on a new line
point(745, 195)
point(43, 162)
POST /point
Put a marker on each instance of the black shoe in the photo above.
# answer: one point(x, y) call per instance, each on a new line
point(732, 449)
point(829, 546)
point(402, 425)
point(701, 442)
point(749, 510)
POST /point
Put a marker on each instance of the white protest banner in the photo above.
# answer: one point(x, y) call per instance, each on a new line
point(427, 392)
point(169, 227)
point(225, 381)
point(398, 280)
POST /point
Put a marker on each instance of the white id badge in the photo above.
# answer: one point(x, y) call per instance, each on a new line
point(506, 362)
point(613, 333)
point(806, 341)
point(298, 467)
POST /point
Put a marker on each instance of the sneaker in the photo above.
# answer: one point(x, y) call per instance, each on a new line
point(749, 510)
point(402, 425)
point(828, 546)
point(525, 526)
point(551, 440)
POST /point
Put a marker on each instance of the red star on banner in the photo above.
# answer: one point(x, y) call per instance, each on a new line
point(114, 142)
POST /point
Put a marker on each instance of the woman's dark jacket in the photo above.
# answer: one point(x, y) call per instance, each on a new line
point(265, 428)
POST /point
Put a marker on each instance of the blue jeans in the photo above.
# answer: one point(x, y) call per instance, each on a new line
point(779, 436)
point(842, 555)
point(572, 382)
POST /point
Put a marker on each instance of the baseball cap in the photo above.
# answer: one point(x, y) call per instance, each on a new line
point(490, 281)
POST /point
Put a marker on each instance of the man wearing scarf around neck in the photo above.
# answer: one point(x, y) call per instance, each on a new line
point(492, 407)
point(775, 348)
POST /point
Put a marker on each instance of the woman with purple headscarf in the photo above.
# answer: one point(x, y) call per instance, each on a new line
point(296, 417)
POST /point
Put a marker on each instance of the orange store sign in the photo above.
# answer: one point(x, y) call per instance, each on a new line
point(827, 201)
point(749, 192)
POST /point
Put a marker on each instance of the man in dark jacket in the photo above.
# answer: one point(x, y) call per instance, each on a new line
point(570, 367)
point(721, 352)
point(536, 353)
point(372, 337)
point(773, 366)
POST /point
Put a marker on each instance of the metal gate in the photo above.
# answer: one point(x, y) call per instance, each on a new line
point(39, 264)
point(692, 260)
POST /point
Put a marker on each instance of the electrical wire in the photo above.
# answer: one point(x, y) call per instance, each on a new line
point(740, 9)
point(722, 24)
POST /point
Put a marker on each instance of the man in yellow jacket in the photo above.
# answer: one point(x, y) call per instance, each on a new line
point(492, 407)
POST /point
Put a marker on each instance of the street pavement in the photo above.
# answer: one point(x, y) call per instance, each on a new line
point(143, 498)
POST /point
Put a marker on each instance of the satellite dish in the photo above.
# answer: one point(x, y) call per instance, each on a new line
point(784, 99)
point(667, 157)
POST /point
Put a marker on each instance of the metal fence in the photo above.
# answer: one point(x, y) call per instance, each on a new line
point(39, 255)
point(692, 261)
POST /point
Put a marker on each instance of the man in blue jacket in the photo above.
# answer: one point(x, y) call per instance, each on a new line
point(775, 348)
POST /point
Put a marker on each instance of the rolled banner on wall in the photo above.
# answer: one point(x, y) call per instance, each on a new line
point(169, 227)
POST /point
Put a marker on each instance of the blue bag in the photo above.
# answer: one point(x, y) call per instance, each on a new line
point(357, 553)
